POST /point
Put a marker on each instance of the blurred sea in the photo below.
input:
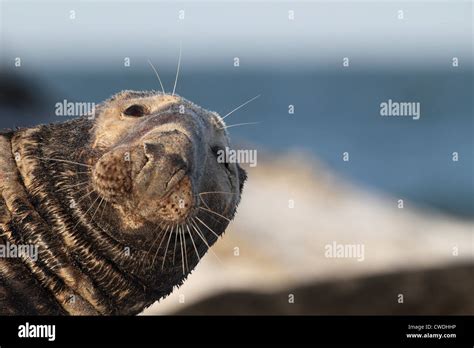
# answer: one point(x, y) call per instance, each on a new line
point(336, 111)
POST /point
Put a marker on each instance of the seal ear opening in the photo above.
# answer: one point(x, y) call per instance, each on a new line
point(242, 177)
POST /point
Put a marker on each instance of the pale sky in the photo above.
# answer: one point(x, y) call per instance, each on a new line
point(367, 31)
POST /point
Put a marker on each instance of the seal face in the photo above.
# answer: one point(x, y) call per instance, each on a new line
point(122, 207)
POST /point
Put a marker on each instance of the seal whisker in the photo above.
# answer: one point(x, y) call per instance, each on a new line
point(97, 209)
point(175, 240)
point(177, 69)
point(159, 246)
point(103, 210)
point(155, 240)
point(223, 192)
point(199, 233)
point(181, 247)
point(167, 245)
point(241, 106)
point(238, 124)
point(84, 196)
point(71, 186)
point(85, 214)
point(63, 161)
point(216, 213)
point(141, 263)
point(204, 202)
point(210, 229)
point(213, 218)
point(185, 248)
point(192, 240)
point(207, 206)
point(143, 259)
point(158, 76)
point(92, 205)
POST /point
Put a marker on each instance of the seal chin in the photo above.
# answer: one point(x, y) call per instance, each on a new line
point(175, 207)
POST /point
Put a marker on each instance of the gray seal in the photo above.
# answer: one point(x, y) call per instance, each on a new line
point(119, 208)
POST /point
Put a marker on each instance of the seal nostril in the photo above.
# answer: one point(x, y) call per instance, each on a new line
point(153, 150)
point(178, 162)
point(146, 151)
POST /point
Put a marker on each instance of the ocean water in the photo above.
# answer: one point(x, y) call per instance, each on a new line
point(335, 111)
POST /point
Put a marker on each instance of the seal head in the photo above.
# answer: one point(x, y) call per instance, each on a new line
point(158, 154)
point(126, 203)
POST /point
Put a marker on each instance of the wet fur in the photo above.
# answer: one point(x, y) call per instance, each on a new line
point(83, 265)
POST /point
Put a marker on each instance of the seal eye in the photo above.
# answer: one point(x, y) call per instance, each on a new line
point(135, 110)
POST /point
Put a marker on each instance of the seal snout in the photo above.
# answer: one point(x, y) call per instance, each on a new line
point(168, 161)
point(153, 174)
point(164, 186)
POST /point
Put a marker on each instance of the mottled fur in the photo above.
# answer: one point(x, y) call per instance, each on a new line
point(107, 259)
